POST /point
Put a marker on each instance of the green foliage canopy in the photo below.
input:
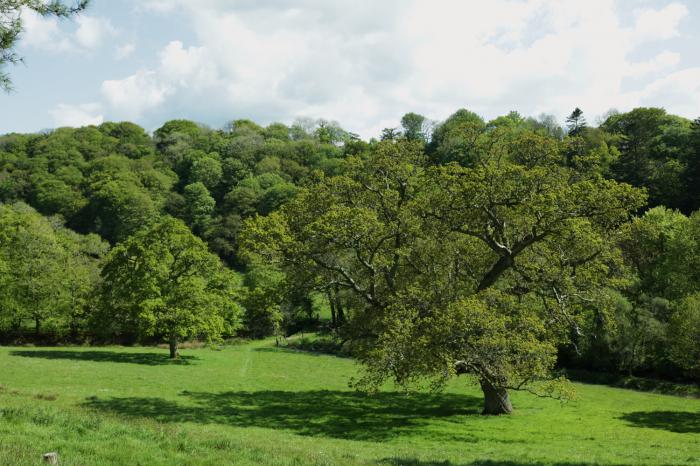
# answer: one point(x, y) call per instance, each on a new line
point(163, 281)
point(454, 269)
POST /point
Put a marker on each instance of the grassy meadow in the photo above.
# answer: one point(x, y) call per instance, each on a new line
point(257, 404)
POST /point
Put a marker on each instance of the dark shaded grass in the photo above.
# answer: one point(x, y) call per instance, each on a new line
point(673, 421)
point(416, 462)
point(321, 413)
point(149, 359)
point(641, 384)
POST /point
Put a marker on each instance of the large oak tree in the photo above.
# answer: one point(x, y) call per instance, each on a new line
point(481, 269)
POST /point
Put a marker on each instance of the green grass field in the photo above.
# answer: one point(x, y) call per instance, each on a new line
point(256, 404)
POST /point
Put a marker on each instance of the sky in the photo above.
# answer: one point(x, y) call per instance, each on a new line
point(361, 63)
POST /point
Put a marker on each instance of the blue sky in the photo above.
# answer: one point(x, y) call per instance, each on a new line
point(361, 63)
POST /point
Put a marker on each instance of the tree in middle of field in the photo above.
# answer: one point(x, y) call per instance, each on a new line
point(163, 282)
point(480, 269)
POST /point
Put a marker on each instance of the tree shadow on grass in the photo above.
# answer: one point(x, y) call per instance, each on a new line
point(149, 359)
point(297, 350)
point(346, 415)
point(416, 462)
point(675, 421)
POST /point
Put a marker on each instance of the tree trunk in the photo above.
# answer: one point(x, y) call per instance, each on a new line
point(17, 329)
point(339, 312)
point(496, 399)
point(73, 331)
point(37, 326)
point(331, 302)
point(173, 348)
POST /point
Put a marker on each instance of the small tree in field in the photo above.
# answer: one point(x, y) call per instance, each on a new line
point(33, 256)
point(685, 332)
point(162, 281)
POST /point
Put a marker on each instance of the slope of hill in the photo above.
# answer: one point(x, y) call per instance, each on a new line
point(257, 404)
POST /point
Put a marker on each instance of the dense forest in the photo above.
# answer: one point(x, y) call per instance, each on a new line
point(508, 249)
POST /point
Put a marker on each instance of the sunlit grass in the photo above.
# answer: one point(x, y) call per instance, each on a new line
point(256, 404)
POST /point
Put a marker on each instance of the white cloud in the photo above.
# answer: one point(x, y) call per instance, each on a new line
point(158, 6)
point(124, 51)
point(366, 63)
point(678, 92)
point(189, 69)
point(135, 94)
point(92, 31)
point(77, 115)
point(660, 24)
point(43, 33)
point(663, 61)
